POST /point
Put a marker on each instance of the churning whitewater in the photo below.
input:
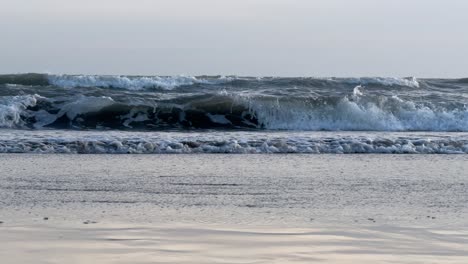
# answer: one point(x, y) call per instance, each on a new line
point(208, 106)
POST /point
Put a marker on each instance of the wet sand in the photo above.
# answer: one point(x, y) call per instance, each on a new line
point(233, 208)
point(107, 243)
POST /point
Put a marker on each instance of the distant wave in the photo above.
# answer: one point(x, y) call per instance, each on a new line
point(109, 81)
point(131, 83)
point(385, 81)
point(171, 82)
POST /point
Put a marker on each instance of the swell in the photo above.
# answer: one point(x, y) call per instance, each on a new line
point(36, 79)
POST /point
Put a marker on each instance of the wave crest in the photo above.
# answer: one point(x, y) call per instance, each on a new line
point(172, 82)
point(126, 82)
point(13, 109)
point(385, 81)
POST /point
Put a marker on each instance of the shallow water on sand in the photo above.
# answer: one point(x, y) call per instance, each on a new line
point(240, 188)
point(233, 208)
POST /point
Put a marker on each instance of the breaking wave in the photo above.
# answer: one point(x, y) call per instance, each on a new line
point(350, 113)
point(110, 81)
point(388, 81)
point(39, 101)
point(171, 82)
point(131, 83)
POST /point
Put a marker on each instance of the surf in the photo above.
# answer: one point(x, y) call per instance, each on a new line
point(157, 103)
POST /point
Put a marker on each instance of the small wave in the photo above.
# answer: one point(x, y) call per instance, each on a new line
point(238, 142)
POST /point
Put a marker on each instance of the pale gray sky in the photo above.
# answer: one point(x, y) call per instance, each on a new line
point(423, 38)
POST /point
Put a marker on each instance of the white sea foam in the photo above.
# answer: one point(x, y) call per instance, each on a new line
point(171, 82)
point(114, 142)
point(12, 109)
point(358, 114)
point(357, 91)
point(126, 82)
point(386, 81)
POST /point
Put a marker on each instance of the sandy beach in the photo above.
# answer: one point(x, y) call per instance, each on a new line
point(131, 243)
point(233, 208)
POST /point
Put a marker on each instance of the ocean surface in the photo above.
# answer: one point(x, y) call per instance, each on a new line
point(294, 190)
point(45, 113)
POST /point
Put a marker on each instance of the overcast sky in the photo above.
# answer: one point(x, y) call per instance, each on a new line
point(423, 38)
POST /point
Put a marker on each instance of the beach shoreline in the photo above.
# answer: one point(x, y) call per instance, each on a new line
point(233, 208)
point(129, 243)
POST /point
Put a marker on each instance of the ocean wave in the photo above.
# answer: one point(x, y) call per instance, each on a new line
point(172, 82)
point(204, 102)
point(357, 111)
point(234, 142)
point(130, 83)
point(110, 81)
point(13, 109)
point(385, 81)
